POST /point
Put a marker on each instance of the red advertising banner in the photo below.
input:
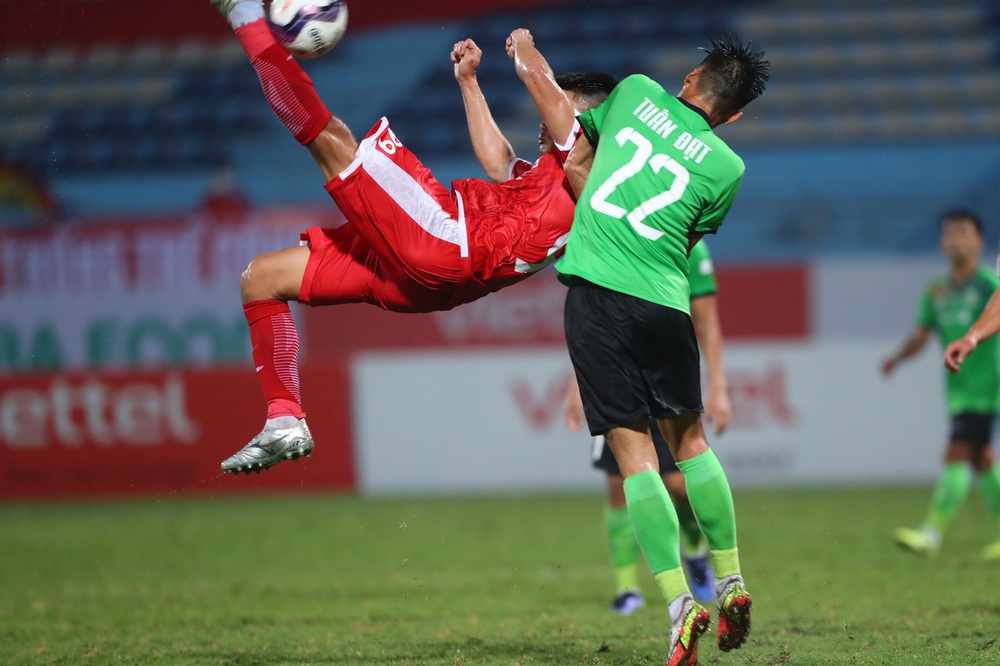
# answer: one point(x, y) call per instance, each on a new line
point(125, 365)
point(755, 302)
point(159, 432)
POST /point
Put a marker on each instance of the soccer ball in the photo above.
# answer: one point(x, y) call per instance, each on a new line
point(307, 28)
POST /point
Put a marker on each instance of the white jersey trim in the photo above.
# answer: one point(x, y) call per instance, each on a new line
point(408, 194)
point(571, 139)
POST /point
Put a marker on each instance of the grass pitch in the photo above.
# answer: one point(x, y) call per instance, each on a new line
point(471, 580)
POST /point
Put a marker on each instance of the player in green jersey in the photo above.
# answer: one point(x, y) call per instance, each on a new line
point(651, 179)
point(949, 303)
point(622, 545)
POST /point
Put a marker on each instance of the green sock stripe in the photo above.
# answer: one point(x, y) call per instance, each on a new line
point(949, 494)
point(621, 537)
point(654, 520)
point(989, 487)
point(672, 583)
point(726, 563)
point(711, 499)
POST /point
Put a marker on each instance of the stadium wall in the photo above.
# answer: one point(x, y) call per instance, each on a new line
point(124, 369)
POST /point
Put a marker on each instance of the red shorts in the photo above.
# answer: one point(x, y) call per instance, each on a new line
point(405, 244)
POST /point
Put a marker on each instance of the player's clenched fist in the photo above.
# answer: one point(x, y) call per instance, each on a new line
point(466, 56)
point(519, 37)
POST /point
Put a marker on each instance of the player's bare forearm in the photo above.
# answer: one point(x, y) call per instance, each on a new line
point(573, 406)
point(533, 69)
point(491, 147)
point(705, 317)
point(910, 347)
point(578, 164)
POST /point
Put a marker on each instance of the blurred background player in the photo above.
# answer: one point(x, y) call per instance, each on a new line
point(950, 302)
point(652, 178)
point(409, 245)
point(622, 545)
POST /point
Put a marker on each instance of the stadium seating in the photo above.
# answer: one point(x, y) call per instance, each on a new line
point(110, 109)
point(846, 74)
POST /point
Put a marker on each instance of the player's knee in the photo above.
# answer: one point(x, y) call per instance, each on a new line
point(254, 285)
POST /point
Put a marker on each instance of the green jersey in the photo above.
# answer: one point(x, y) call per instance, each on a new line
point(701, 272)
point(659, 174)
point(949, 309)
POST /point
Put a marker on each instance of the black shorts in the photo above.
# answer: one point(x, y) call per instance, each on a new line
point(973, 428)
point(633, 359)
point(605, 459)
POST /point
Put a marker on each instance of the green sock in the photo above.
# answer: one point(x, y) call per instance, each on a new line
point(989, 487)
point(949, 493)
point(623, 546)
point(655, 521)
point(712, 501)
point(690, 529)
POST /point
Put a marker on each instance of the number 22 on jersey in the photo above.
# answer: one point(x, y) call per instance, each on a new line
point(643, 155)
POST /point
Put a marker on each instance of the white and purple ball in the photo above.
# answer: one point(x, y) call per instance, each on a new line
point(308, 28)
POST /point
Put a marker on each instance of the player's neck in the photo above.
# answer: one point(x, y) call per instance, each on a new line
point(963, 269)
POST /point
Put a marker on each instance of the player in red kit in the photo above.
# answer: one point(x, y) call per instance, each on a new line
point(409, 244)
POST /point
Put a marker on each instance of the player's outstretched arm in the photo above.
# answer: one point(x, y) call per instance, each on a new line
point(551, 101)
point(492, 149)
point(705, 316)
point(911, 346)
point(986, 325)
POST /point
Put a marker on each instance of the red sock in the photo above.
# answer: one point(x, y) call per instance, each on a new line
point(275, 355)
point(288, 89)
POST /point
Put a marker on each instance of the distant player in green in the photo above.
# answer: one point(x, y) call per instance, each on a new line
point(652, 178)
point(950, 303)
point(623, 547)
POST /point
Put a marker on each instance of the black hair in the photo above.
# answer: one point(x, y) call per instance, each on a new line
point(963, 214)
point(733, 74)
point(591, 88)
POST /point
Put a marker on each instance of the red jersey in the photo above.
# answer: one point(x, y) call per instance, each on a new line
point(517, 227)
point(411, 245)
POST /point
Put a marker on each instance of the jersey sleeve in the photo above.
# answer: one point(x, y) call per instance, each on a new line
point(701, 271)
point(574, 134)
point(712, 217)
point(518, 168)
point(925, 315)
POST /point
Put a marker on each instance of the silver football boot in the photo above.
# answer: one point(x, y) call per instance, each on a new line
point(225, 6)
point(270, 447)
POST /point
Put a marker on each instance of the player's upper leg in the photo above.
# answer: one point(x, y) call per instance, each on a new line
point(633, 448)
point(684, 435)
point(275, 275)
point(334, 149)
point(406, 216)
